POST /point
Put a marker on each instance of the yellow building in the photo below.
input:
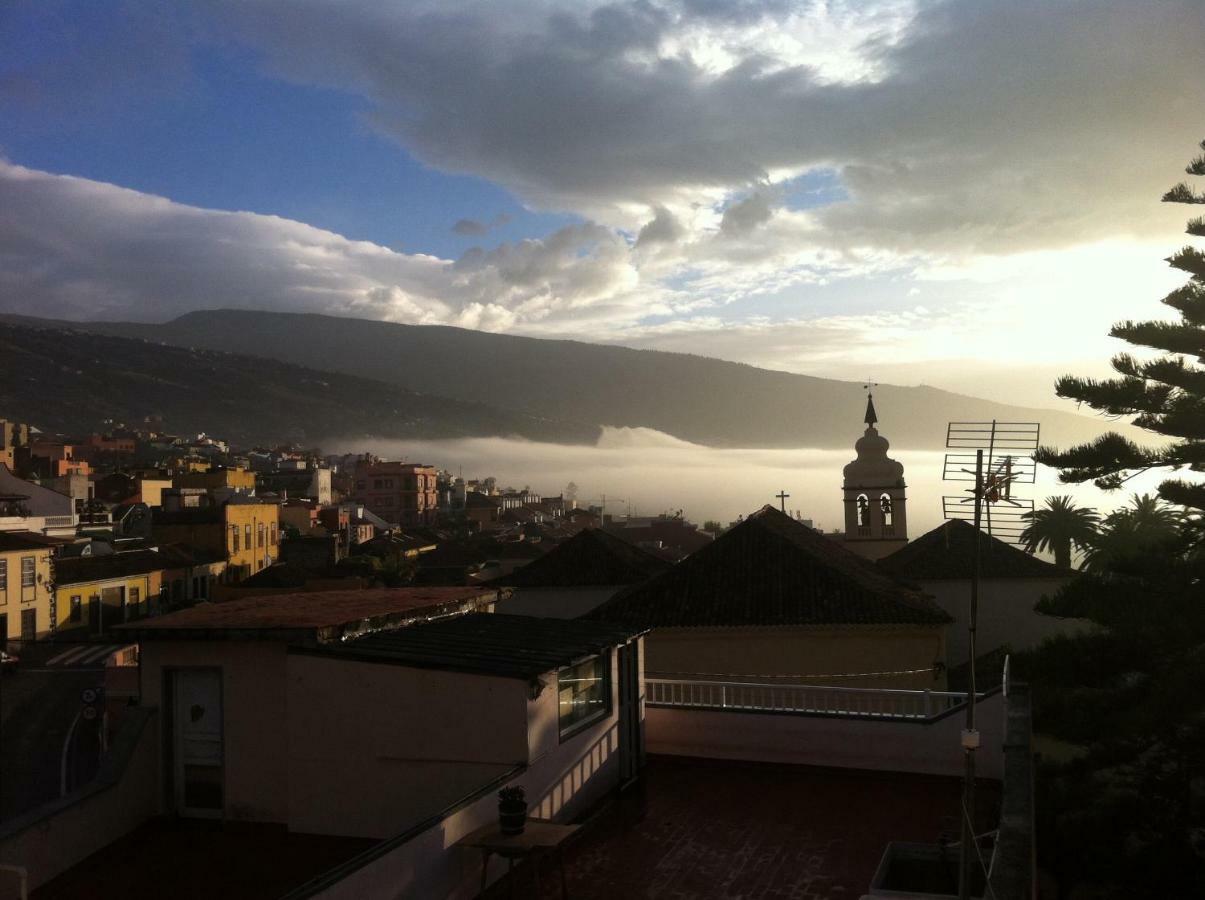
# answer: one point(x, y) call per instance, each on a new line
point(26, 586)
point(217, 479)
point(245, 530)
point(95, 593)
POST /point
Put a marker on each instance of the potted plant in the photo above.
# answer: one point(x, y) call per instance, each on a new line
point(512, 810)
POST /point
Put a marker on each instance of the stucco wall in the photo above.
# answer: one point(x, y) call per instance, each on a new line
point(555, 603)
point(374, 748)
point(1006, 614)
point(255, 706)
point(52, 838)
point(749, 653)
point(846, 743)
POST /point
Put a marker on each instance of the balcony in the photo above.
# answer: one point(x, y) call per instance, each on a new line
point(874, 703)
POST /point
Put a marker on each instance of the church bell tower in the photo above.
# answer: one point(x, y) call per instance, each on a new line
point(876, 518)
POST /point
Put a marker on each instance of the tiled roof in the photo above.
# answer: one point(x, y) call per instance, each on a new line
point(83, 569)
point(592, 558)
point(771, 570)
point(490, 644)
point(947, 553)
point(304, 611)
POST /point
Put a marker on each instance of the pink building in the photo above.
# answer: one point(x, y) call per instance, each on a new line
point(397, 491)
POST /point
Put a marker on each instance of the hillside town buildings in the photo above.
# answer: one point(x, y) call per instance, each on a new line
point(350, 657)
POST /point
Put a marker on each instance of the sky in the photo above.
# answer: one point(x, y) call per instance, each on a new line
point(957, 194)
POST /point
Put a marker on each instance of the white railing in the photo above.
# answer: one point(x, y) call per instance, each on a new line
point(878, 703)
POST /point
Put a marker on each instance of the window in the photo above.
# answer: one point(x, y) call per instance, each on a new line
point(583, 694)
point(863, 508)
point(77, 608)
point(135, 598)
point(234, 539)
point(27, 571)
point(247, 535)
point(259, 535)
point(3, 580)
point(376, 483)
point(887, 509)
point(272, 535)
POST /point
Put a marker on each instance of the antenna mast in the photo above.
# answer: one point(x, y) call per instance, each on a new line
point(1002, 453)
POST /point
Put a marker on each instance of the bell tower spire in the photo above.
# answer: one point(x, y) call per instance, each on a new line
point(876, 522)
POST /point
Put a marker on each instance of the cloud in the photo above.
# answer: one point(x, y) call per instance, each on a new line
point(81, 249)
point(982, 127)
point(745, 215)
point(474, 228)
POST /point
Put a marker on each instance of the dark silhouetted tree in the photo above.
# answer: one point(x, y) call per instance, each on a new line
point(1060, 528)
point(1165, 395)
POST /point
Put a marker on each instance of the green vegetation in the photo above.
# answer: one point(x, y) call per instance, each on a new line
point(1125, 817)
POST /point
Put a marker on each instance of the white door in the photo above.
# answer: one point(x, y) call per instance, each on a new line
point(197, 741)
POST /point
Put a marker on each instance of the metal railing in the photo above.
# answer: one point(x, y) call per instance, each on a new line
point(875, 703)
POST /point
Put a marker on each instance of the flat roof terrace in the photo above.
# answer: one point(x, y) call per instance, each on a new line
point(722, 830)
point(185, 859)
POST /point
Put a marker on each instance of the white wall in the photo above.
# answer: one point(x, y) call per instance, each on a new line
point(375, 748)
point(1006, 614)
point(846, 743)
point(555, 603)
point(255, 711)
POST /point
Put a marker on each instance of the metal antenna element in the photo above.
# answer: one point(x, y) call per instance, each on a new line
point(1002, 455)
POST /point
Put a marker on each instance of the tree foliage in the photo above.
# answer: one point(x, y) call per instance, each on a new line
point(1060, 528)
point(1164, 395)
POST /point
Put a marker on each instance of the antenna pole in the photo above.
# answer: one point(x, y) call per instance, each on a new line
point(970, 739)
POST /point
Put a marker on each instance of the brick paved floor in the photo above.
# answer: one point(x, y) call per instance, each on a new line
point(717, 830)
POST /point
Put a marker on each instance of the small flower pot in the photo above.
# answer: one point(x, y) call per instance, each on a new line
point(512, 811)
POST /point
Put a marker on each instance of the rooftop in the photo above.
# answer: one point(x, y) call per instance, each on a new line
point(193, 859)
point(592, 558)
point(947, 553)
point(84, 569)
point(26, 540)
point(720, 830)
point(489, 643)
point(771, 570)
point(307, 611)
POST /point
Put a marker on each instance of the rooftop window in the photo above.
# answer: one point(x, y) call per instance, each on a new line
point(583, 694)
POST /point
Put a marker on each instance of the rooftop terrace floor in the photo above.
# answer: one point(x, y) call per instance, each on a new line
point(720, 830)
point(191, 859)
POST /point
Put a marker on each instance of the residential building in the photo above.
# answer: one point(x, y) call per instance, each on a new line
point(400, 492)
point(876, 517)
point(94, 594)
point(243, 529)
point(773, 599)
point(483, 509)
point(25, 506)
point(12, 436)
point(577, 576)
point(54, 459)
point(27, 599)
point(1011, 582)
point(218, 480)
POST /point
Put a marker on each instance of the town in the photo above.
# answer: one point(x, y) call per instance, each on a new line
point(349, 656)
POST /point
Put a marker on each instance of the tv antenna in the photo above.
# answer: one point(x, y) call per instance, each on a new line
point(1001, 454)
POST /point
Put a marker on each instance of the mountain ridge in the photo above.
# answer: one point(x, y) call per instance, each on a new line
point(706, 401)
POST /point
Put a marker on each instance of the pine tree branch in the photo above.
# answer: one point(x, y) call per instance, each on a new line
point(1170, 370)
point(1182, 193)
point(1107, 458)
point(1190, 260)
point(1183, 493)
point(1196, 226)
point(1168, 336)
point(1189, 301)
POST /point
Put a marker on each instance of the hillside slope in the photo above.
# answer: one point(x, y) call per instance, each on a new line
point(695, 398)
point(72, 380)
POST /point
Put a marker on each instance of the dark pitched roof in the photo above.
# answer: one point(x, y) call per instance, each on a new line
point(309, 611)
point(771, 570)
point(489, 644)
point(83, 569)
point(27, 540)
point(193, 515)
point(947, 552)
point(592, 558)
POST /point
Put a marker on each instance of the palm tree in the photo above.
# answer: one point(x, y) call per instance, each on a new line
point(1059, 528)
point(1145, 525)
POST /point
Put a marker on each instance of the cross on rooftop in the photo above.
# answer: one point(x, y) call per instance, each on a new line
point(782, 499)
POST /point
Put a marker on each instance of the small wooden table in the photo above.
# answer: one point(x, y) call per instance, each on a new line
point(538, 838)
